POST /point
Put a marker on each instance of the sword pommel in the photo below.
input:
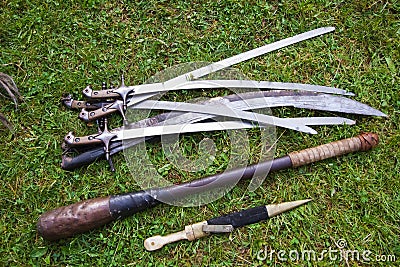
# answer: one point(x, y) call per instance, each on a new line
point(368, 141)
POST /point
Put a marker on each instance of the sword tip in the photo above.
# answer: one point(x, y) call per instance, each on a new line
point(277, 209)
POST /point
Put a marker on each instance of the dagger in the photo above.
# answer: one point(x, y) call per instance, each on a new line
point(223, 224)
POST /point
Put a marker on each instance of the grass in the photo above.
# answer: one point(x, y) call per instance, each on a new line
point(52, 47)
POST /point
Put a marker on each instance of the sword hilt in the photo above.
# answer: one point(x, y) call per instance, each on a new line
point(72, 141)
point(99, 94)
point(91, 115)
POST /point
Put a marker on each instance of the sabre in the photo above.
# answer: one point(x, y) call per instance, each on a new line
point(213, 84)
point(244, 101)
point(124, 90)
point(261, 99)
point(298, 124)
point(90, 214)
point(223, 224)
point(146, 90)
point(214, 109)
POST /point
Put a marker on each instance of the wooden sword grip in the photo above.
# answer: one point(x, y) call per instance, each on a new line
point(72, 141)
point(76, 218)
point(101, 94)
point(91, 115)
point(361, 142)
point(90, 214)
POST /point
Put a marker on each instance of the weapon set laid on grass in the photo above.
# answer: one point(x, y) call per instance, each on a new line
point(185, 117)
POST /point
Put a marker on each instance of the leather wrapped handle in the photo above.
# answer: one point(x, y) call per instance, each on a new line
point(90, 214)
point(362, 142)
point(85, 158)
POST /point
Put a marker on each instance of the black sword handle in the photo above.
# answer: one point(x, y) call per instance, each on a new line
point(71, 163)
point(85, 158)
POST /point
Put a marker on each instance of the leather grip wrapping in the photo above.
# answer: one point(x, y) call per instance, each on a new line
point(125, 205)
point(241, 218)
point(361, 142)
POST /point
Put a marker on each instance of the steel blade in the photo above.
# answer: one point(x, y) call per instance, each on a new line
point(180, 128)
point(214, 67)
point(223, 110)
point(219, 109)
point(246, 84)
point(314, 102)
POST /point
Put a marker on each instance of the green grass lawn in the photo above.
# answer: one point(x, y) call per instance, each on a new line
point(52, 47)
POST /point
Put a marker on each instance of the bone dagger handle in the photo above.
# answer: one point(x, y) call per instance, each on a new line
point(90, 214)
point(190, 233)
point(362, 142)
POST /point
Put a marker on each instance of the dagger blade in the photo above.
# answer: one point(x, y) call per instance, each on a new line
point(223, 223)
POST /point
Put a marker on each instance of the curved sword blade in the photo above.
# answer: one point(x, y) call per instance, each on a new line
point(246, 84)
point(201, 72)
point(180, 128)
point(136, 92)
point(214, 67)
point(308, 101)
point(298, 124)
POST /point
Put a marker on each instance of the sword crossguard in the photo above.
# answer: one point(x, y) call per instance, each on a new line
point(106, 136)
point(123, 91)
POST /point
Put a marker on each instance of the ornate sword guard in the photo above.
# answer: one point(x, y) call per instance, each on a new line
point(124, 91)
point(106, 136)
